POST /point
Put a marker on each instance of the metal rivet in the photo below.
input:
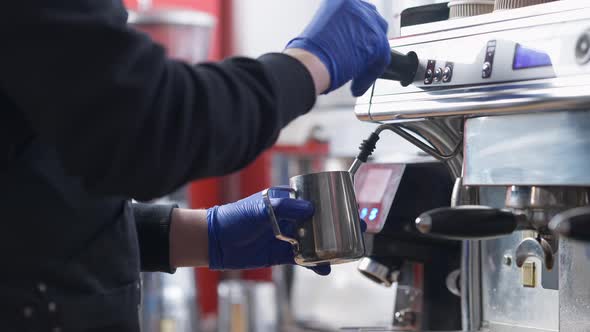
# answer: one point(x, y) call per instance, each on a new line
point(507, 260)
point(42, 287)
point(52, 306)
point(28, 312)
point(302, 232)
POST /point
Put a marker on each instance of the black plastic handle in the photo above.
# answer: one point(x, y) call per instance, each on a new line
point(402, 68)
point(467, 222)
point(574, 224)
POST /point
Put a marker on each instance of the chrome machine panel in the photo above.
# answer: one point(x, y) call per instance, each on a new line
point(507, 150)
point(518, 84)
point(561, 83)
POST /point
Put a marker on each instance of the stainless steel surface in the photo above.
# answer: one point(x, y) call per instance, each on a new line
point(505, 301)
point(574, 293)
point(507, 306)
point(471, 302)
point(444, 135)
point(541, 204)
point(511, 4)
point(428, 147)
point(511, 328)
point(535, 197)
point(377, 272)
point(572, 224)
point(533, 96)
point(334, 234)
point(549, 149)
point(535, 248)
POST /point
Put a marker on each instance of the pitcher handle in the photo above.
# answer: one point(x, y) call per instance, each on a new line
point(273, 218)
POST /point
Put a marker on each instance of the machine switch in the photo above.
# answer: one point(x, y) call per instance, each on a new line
point(429, 74)
point(448, 72)
point(488, 65)
point(438, 74)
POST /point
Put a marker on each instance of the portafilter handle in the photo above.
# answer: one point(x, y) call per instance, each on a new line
point(468, 222)
point(573, 224)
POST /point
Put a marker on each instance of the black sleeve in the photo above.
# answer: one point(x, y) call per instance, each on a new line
point(124, 117)
point(153, 231)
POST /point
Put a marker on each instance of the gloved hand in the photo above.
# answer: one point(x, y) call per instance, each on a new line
point(350, 38)
point(241, 236)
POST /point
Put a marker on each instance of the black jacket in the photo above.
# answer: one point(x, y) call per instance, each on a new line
point(93, 114)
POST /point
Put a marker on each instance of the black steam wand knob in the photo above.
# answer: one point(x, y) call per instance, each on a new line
point(469, 222)
point(574, 223)
point(402, 68)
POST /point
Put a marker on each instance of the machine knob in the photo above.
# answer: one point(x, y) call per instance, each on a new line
point(574, 224)
point(428, 77)
point(438, 74)
point(468, 222)
point(447, 74)
point(486, 69)
point(402, 68)
point(583, 48)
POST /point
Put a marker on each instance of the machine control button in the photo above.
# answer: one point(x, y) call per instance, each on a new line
point(583, 48)
point(448, 72)
point(486, 70)
point(488, 65)
point(428, 76)
point(438, 73)
point(429, 73)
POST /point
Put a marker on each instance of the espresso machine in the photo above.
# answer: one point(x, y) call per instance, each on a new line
point(502, 102)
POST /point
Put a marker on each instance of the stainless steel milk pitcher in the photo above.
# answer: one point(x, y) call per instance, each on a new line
point(333, 235)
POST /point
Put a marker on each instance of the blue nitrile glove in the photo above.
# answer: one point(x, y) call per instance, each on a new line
point(350, 38)
point(241, 236)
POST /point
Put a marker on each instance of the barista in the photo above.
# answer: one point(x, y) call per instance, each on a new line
point(94, 114)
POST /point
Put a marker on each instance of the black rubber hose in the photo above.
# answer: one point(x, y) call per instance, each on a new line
point(367, 147)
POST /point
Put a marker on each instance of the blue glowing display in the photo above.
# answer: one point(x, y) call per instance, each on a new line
point(364, 213)
point(374, 213)
point(529, 58)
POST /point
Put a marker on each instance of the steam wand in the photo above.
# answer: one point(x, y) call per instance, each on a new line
point(368, 146)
